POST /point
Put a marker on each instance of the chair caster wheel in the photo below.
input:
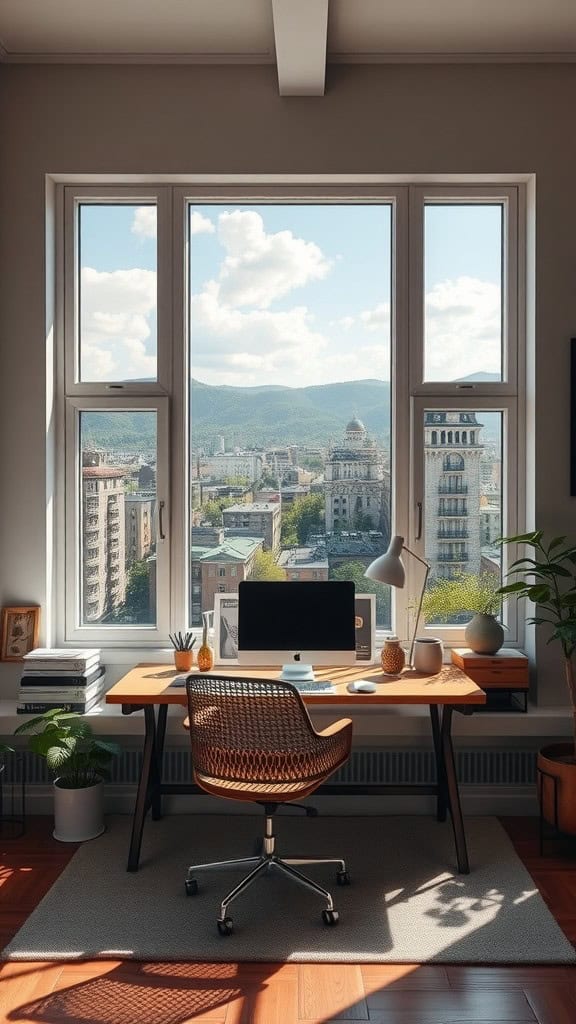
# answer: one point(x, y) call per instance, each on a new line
point(225, 927)
point(330, 917)
point(191, 886)
point(342, 878)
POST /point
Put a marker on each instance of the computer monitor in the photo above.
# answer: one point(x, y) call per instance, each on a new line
point(296, 624)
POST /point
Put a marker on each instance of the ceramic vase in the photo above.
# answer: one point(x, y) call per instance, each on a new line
point(392, 657)
point(428, 655)
point(484, 634)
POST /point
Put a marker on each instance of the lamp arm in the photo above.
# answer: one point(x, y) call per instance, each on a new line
point(427, 564)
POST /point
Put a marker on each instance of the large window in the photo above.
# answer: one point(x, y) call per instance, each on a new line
point(268, 388)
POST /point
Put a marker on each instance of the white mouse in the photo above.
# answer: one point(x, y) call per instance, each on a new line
point(362, 686)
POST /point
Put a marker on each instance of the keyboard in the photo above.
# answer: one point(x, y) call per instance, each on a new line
point(315, 686)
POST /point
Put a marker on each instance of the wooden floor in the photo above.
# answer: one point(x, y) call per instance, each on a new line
point(116, 992)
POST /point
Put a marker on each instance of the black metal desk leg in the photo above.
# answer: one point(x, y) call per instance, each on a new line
point(156, 791)
point(143, 794)
point(452, 791)
point(441, 800)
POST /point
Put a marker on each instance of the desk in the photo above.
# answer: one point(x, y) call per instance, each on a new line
point(147, 688)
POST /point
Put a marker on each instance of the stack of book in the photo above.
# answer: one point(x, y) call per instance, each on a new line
point(68, 679)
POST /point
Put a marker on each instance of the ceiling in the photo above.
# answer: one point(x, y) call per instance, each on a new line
point(299, 36)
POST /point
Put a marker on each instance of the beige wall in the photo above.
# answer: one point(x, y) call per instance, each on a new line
point(382, 119)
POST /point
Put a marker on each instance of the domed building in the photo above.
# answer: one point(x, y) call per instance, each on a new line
point(354, 482)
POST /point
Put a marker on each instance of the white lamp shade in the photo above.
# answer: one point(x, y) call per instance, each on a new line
point(388, 568)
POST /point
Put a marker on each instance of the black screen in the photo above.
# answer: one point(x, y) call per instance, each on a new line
point(296, 616)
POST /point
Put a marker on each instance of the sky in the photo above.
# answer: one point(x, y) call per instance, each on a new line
point(292, 294)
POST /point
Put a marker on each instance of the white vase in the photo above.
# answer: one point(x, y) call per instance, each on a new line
point(484, 634)
point(78, 813)
point(428, 655)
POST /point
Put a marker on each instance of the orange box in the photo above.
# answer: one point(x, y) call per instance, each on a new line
point(508, 669)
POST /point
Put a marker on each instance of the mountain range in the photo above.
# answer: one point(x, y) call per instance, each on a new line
point(261, 416)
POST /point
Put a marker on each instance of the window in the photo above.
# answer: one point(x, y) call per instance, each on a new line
point(223, 349)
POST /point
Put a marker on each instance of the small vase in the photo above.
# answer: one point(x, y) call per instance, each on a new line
point(183, 660)
point(428, 655)
point(392, 657)
point(205, 653)
point(484, 634)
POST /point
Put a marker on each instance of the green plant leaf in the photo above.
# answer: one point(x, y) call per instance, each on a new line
point(555, 542)
point(512, 588)
point(539, 594)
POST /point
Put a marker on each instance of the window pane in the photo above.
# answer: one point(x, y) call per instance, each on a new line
point(117, 292)
point(463, 500)
point(118, 505)
point(290, 393)
point(463, 292)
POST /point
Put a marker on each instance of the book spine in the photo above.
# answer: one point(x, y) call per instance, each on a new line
point(79, 707)
point(78, 665)
point(58, 680)
point(50, 696)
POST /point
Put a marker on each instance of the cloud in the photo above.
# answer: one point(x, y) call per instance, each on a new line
point(246, 347)
point(117, 313)
point(144, 222)
point(462, 324)
point(463, 328)
point(235, 345)
point(258, 267)
point(376, 319)
point(200, 225)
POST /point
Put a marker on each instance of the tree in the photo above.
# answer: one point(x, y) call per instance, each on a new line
point(268, 482)
point(355, 571)
point(212, 510)
point(303, 517)
point(137, 601)
point(265, 568)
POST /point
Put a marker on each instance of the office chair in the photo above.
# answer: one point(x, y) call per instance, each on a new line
point(252, 739)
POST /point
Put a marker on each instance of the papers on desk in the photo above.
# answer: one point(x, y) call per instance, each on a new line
point(179, 681)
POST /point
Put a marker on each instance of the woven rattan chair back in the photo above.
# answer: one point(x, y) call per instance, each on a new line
point(250, 730)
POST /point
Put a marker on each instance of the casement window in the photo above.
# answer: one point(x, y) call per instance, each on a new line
point(220, 345)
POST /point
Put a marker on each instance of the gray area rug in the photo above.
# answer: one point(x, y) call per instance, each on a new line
point(406, 902)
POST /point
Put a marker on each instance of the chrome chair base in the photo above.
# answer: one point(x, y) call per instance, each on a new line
point(265, 862)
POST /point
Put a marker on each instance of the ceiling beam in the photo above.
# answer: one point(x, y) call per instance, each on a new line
point(300, 31)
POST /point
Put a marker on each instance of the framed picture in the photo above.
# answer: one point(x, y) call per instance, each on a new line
point(225, 629)
point(20, 628)
point(365, 626)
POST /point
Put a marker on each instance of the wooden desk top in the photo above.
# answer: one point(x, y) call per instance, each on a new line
point(150, 684)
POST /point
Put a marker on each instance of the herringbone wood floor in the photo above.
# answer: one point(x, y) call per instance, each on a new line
point(116, 992)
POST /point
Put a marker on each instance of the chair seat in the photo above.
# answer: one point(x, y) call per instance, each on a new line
point(278, 792)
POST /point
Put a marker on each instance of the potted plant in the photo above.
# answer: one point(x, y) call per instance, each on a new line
point(446, 600)
point(80, 764)
point(183, 653)
point(548, 580)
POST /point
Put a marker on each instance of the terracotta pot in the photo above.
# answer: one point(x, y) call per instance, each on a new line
point(183, 660)
point(557, 760)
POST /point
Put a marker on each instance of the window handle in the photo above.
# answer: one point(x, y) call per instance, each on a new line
point(161, 533)
point(419, 521)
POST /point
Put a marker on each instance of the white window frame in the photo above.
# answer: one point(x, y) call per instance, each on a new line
point(454, 635)
point(97, 634)
point(407, 387)
point(74, 198)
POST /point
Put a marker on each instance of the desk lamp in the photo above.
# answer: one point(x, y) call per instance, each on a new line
point(388, 568)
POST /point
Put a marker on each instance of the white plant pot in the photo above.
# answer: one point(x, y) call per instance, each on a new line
point(78, 813)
